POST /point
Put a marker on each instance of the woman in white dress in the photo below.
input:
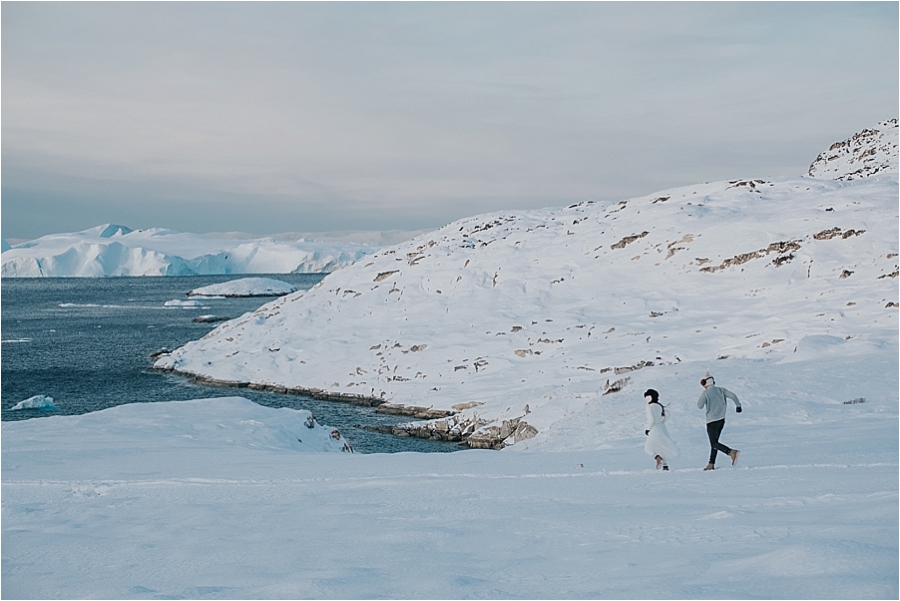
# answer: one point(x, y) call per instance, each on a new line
point(659, 444)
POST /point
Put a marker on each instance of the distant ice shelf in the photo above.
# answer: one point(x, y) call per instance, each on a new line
point(115, 250)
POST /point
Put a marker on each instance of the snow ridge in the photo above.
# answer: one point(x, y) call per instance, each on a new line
point(864, 154)
point(504, 323)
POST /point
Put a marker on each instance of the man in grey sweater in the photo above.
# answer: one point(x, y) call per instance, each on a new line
point(714, 399)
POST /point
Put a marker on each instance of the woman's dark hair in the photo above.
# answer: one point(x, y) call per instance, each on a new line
point(655, 396)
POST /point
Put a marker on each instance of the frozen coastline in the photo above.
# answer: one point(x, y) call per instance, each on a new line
point(513, 322)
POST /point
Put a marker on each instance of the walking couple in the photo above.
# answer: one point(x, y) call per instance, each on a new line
point(714, 399)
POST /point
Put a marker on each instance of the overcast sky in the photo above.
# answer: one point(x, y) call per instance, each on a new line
point(280, 117)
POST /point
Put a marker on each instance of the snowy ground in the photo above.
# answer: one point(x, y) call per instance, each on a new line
point(115, 250)
point(142, 501)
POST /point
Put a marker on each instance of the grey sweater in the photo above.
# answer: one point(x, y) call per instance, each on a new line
point(714, 399)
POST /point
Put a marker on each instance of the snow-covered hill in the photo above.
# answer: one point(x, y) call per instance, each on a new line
point(507, 324)
point(864, 154)
point(115, 250)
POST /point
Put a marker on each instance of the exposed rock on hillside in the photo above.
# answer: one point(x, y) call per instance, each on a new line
point(864, 154)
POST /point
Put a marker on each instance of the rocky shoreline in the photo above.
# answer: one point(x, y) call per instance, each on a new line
point(316, 393)
point(470, 432)
point(438, 424)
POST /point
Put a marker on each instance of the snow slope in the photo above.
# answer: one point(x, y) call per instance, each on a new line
point(510, 321)
point(115, 250)
point(215, 500)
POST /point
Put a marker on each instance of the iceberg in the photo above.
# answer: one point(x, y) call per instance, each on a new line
point(44, 403)
point(185, 304)
point(245, 287)
point(116, 250)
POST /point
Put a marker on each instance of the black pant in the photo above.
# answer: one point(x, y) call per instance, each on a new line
point(714, 430)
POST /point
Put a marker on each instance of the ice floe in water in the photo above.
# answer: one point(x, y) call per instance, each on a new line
point(185, 304)
point(38, 401)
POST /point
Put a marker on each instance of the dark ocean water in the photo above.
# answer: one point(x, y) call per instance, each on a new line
point(87, 343)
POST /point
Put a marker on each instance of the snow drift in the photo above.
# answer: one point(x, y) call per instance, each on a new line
point(115, 250)
point(186, 426)
point(499, 326)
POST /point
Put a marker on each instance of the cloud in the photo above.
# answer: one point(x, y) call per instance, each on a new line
point(425, 110)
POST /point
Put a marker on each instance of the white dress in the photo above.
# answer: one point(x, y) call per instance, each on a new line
point(658, 441)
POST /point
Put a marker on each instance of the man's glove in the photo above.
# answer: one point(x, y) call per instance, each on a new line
point(646, 432)
point(738, 409)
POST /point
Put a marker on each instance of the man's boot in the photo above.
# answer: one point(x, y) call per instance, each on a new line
point(709, 466)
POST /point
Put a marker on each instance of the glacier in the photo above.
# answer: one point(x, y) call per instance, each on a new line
point(115, 250)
